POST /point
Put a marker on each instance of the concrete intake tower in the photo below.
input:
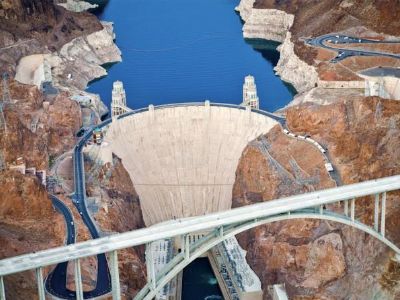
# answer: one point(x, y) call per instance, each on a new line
point(182, 159)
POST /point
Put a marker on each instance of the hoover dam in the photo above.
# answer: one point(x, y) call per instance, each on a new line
point(183, 158)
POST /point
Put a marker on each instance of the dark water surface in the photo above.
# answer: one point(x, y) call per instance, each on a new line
point(199, 282)
point(187, 50)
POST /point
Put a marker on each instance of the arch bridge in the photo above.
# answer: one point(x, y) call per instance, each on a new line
point(220, 225)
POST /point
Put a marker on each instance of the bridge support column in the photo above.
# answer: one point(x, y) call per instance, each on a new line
point(346, 208)
point(78, 280)
point(115, 285)
point(151, 275)
point(2, 289)
point(376, 213)
point(39, 279)
point(352, 209)
point(187, 247)
point(383, 214)
point(221, 231)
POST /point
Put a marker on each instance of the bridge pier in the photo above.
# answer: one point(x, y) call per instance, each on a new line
point(376, 213)
point(115, 285)
point(39, 279)
point(78, 280)
point(346, 208)
point(353, 209)
point(151, 276)
point(2, 289)
point(383, 214)
point(187, 247)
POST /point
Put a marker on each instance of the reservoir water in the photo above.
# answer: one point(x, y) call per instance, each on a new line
point(187, 50)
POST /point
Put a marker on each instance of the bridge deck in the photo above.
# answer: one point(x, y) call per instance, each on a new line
point(201, 223)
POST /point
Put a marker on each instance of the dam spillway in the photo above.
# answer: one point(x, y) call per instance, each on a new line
point(182, 159)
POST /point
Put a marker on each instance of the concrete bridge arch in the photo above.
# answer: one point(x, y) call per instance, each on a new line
point(214, 238)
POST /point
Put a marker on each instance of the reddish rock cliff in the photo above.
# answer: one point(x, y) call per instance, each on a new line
point(53, 130)
point(28, 223)
point(318, 259)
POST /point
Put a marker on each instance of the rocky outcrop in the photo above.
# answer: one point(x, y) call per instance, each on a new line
point(293, 70)
point(33, 27)
point(83, 58)
point(28, 223)
point(77, 63)
point(268, 24)
point(77, 6)
point(244, 9)
point(35, 133)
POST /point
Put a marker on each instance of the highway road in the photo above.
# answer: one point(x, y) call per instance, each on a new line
point(348, 52)
point(56, 281)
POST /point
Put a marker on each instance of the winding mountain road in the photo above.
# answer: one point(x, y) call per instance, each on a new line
point(348, 52)
point(57, 279)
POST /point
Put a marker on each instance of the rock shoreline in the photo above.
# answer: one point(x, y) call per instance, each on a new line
point(290, 67)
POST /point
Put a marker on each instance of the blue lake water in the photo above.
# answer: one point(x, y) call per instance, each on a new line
point(187, 50)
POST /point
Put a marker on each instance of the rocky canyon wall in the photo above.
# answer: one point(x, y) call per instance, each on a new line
point(28, 223)
point(318, 259)
point(41, 127)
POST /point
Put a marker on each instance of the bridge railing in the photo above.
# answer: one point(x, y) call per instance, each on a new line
point(217, 222)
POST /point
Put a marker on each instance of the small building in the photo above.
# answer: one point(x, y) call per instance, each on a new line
point(41, 175)
point(30, 171)
point(98, 136)
point(250, 97)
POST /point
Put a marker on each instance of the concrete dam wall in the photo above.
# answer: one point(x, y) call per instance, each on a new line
point(182, 160)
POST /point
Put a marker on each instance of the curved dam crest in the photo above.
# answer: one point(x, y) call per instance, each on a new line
point(182, 160)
